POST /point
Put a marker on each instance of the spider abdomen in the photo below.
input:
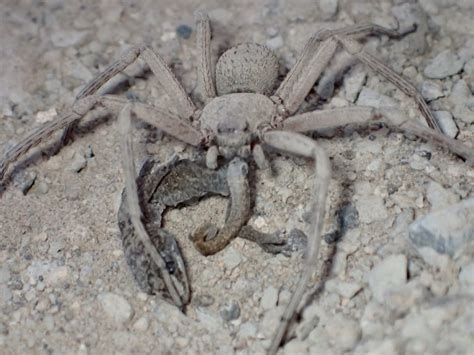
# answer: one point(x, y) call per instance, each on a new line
point(247, 67)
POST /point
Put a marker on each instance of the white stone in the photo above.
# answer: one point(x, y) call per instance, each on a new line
point(443, 65)
point(448, 126)
point(343, 288)
point(353, 83)
point(269, 298)
point(275, 42)
point(115, 307)
point(46, 116)
point(343, 333)
point(328, 8)
point(141, 324)
point(467, 273)
point(369, 97)
point(431, 90)
point(232, 258)
point(57, 275)
point(371, 209)
point(389, 274)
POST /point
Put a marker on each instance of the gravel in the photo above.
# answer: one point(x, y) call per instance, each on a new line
point(443, 65)
point(446, 231)
point(445, 120)
point(389, 274)
point(431, 90)
point(116, 307)
point(269, 298)
point(368, 97)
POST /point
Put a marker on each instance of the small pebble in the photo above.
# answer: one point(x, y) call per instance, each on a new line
point(369, 97)
point(390, 273)
point(275, 42)
point(46, 116)
point(57, 275)
point(443, 65)
point(371, 209)
point(79, 162)
point(344, 333)
point(25, 180)
point(342, 288)
point(141, 324)
point(466, 276)
point(230, 311)
point(184, 31)
point(439, 197)
point(353, 83)
point(328, 8)
point(445, 120)
point(269, 298)
point(232, 258)
point(447, 230)
point(431, 90)
point(247, 330)
point(4, 275)
point(463, 102)
point(116, 307)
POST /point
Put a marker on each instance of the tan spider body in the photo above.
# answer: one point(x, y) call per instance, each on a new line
point(241, 115)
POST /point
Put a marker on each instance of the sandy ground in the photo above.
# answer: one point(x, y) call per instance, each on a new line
point(64, 283)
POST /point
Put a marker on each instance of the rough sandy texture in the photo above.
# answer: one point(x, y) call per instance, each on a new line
point(64, 283)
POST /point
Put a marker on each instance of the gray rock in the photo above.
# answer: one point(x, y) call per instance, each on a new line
point(5, 295)
point(439, 197)
point(463, 102)
point(390, 274)
point(467, 274)
point(407, 15)
point(469, 67)
point(353, 83)
point(431, 90)
point(295, 346)
point(25, 180)
point(247, 330)
point(369, 97)
point(208, 320)
point(465, 111)
point(371, 209)
point(344, 333)
point(275, 42)
point(445, 120)
point(348, 216)
point(230, 311)
point(406, 297)
point(4, 275)
point(443, 65)
point(446, 231)
point(78, 162)
point(269, 298)
point(343, 288)
point(115, 307)
point(184, 31)
point(460, 92)
point(141, 324)
point(232, 258)
point(328, 8)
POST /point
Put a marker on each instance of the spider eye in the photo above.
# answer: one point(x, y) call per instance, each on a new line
point(229, 125)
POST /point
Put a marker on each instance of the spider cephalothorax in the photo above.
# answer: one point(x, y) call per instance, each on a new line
point(241, 110)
